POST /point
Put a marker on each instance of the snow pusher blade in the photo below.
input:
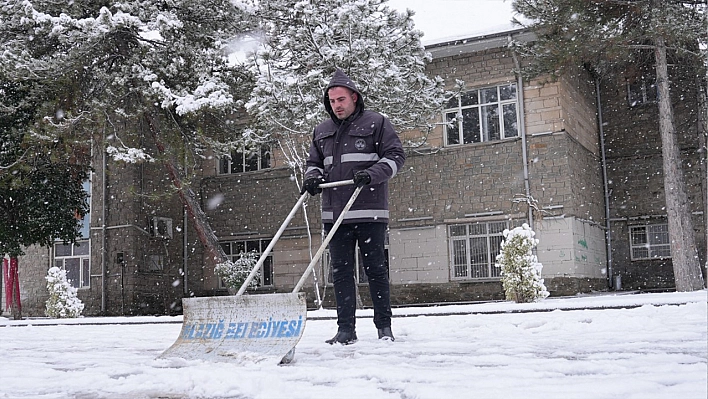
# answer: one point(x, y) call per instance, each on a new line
point(251, 328)
point(240, 329)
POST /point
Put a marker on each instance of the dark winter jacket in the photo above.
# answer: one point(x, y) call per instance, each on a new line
point(366, 140)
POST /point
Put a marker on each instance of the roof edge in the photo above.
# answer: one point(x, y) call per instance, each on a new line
point(478, 43)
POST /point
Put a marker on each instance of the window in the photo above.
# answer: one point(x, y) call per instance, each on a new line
point(246, 161)
point(86, 219)
point(155, 263)
point(474, 249)
point(482, 115)
point(235, 248)
point(74, 258)
point(642, 90)
point(650, 241)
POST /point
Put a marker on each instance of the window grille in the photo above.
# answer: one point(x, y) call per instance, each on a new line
point(642, 90)
point(650, 241)
point(474, 248)
point(250, 160)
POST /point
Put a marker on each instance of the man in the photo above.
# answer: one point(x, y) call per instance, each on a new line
point(361, 145)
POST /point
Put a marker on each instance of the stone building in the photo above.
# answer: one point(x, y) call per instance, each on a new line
point(523, 152)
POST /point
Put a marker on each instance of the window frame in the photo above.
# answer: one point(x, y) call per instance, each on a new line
point(84, 260)
point(85, 224)
point(492, 239)
point(649, 242)
point(233, 249)
point(482, 124)
point(642, 91)
point(263, 160)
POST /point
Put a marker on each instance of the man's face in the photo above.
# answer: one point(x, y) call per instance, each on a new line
point(343, 101)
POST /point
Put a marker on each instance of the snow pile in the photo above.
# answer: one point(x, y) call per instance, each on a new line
point(520, 269)
point(62, 301)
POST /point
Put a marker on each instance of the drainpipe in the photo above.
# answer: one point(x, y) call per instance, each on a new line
point(705, 156)
point(703, 128)
point(522, 131)
point(185, 252)
point(608, 232)
point(103, 224)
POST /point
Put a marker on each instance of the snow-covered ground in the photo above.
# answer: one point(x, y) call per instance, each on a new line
point(614, 346)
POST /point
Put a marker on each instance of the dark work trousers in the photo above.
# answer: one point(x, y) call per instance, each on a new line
point(342, 247)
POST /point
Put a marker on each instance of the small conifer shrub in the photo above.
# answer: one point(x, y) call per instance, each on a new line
point(234, 273)
point(520, 269)
point(63, 301)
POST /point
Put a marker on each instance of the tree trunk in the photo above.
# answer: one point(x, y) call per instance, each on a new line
point(702, 84)
point(684, 254)
point(12, 287)
point(214, 253)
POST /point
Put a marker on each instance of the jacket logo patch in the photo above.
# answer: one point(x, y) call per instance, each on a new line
point(360, 144)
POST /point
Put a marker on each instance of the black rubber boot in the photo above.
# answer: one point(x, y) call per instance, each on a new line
point(386, 334)
point(343, 337)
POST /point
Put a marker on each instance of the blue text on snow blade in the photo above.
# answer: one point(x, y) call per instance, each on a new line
point(238, 330)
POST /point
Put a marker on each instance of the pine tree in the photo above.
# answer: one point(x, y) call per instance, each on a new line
point(63, 301)
point(149, 71)
point(41, 181)
point(305, 41)
point(607, 36)
point(520, 269)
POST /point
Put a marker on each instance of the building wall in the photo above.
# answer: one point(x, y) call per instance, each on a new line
point(577, 98)
point(449, 185)
point(573, 255)
point(544, 113)
point(32, 270)
point(635, 174)
point(485, 68)
point(419, 255)
point(455, 182)
point(437, 187)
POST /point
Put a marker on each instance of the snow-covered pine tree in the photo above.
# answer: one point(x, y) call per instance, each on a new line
point(305, 41)
point(41, 181)
point(520, 269)
point(130, 73)
point(607, 37)
point(63, 301)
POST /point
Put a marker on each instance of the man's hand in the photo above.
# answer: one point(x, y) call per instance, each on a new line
point(362, 178)
point(312, 185)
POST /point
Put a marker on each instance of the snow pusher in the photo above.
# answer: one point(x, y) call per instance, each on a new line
point(250, 328)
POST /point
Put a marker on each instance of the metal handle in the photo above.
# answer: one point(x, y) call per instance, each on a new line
point(285, 224)
point(337, 183)
point(334, 228)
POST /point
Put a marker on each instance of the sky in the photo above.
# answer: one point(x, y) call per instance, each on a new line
point(648, 346)
point(446, 20)
point(439, 20)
